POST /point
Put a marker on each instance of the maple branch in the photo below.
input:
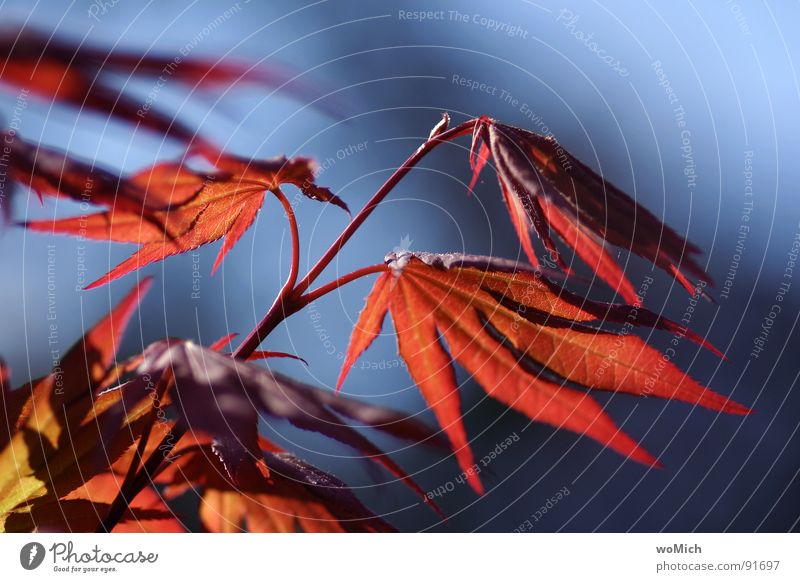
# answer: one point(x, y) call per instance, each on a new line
point(130, 475)
point(288, 303)
point(343, 280)
point(148, 472)
point(290, 216)
point(133, 483)
point(282, 308)
point(378, 197)
point(278, 311)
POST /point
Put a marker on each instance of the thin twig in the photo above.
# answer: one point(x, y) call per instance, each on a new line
point(341, 281)
point(149, 470)
point(290, 299)
point(290, 216)
point(378, 197)
point(286, 304)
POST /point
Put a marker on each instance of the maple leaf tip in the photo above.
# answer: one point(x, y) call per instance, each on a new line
point(223, 341)
point(343, 205)
point(477, 486)
point(99, 283)
point(713, 349)
point(435, 507)
point(220, 257)
point(340, 382)
point(733, 407)
point(143, 287)
point(641, 455)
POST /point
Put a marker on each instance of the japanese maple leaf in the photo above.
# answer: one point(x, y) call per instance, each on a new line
point(54, 67)
point(528, 343)
point(223, 397)
point(82, 510)
point(281, 493)
point(547, 190)
point(198, 208)
point(59, 431)
point(51, 172)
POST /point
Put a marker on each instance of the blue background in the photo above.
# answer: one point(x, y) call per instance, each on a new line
point(731, 65)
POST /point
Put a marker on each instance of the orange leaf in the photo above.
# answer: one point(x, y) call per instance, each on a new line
point(60, 431)
point(279, 494)
point(82, 511)
point(197, 209)
point(50, 172)
point(525, 341)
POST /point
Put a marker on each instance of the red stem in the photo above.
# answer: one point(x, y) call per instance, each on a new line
point(289, 302)
point(290, 299)
point(378, 197)
point(135, 480)
point(280, 306)
point(343, 280)
point(295, 268)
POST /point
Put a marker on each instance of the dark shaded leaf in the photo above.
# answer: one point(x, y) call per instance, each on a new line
point(280, 493)
point(56, 68)
point(223, 397)
point(547, 190)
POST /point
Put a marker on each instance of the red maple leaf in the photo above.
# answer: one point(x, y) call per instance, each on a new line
point(196, 208)
point(547, 190)
point(528, 343)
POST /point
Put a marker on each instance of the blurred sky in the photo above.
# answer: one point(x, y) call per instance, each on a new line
point(387, 76)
